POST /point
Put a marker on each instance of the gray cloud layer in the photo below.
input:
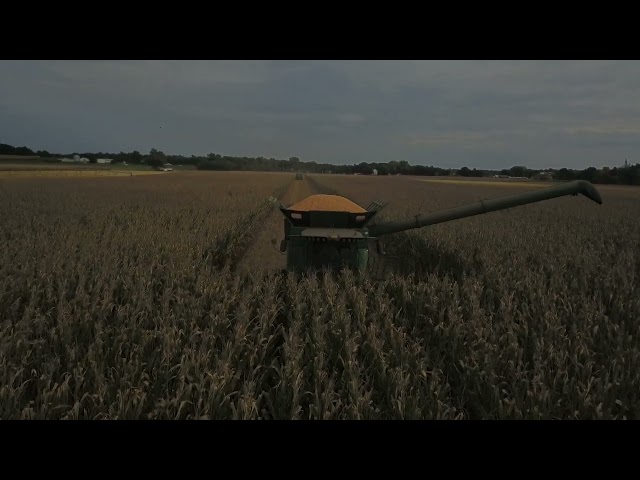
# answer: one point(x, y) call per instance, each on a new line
point(490, 114)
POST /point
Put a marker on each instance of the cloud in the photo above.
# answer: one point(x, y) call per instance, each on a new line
point(491, 114)
point(603, 130)
point(350, 118)
point(457, 138)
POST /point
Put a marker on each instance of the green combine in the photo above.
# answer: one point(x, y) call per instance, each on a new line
point(330, 231)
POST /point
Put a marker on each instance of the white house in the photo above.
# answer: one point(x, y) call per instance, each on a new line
point(104, 160)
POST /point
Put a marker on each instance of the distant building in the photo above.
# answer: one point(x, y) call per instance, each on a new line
point(375, 172)
point(104, 160)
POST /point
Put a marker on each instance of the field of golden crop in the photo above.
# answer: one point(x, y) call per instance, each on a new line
point(63, 173)
point(119, 298)
point(10, 170)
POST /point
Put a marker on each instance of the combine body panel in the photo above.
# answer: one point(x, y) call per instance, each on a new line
point(315, 248)
point(332, 231)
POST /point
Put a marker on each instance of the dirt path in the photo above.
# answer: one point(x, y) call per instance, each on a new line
point(262, 256)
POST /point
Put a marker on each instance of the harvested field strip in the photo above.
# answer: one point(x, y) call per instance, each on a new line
point(69, 173)
point(239, 238)
point(19, 158)
point(318, 186)
point(262, 256)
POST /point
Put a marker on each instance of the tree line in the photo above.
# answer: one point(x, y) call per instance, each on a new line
point(623, 175)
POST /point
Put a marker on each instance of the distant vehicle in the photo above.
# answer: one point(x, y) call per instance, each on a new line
point(298, 176)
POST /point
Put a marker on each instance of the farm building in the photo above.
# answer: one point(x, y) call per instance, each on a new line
point(104, 160)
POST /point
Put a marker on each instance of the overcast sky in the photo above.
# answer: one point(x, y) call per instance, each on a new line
point(483, 114)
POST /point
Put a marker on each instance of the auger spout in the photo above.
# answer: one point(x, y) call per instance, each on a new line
point(487, 206)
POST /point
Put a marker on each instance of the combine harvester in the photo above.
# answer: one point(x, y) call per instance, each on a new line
point(330, 231)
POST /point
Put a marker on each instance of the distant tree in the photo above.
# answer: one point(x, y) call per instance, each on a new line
point(156, 153)
point(294, 163)
point(518, 171)
point(6, 149)
point(382, 169)
point(627, 175)
point(24, 151)
point(565, 174)
point(135, 157)
point(588, 174)
point(156, 158)
point(630, 175)
point(605, 176)
point(155, 162)
point(119, 158)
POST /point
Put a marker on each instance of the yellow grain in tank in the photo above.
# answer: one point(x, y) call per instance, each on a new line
point(327, 203)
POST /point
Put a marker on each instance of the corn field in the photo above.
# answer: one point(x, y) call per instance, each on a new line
point(119, 300)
